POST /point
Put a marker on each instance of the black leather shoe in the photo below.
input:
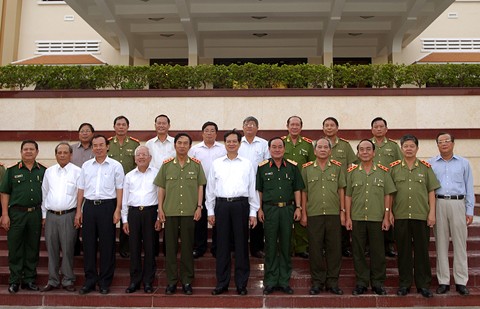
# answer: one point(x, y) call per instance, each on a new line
point(286, 289)
point(69, 288)
point(268, 290)
point(461, 289)
point(13, 288)
point(425, 292)
point(197, 254)
point(30, 286)
point(359, 290)
point(314, 290)
point(148, 288)
point(402, 291)
point(131, 288)
point(347, 253)
point(125, 255)
point(219, 290)
point(242, 291)
point(170, 289)
point(48, 288)
point(85, 290)
point(390, 251)
point(442, 289)
point(335, 290)
point(259, 254)
point(187, 289)
point(303, 255)
point(104, 291)
point(379, 290)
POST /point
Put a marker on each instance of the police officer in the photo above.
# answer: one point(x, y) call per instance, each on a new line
point(367, 205)
point(21, 196)
point(279, 183)
point(323, 213)
point(413, 214)
point(122, 148)
point(300, 150)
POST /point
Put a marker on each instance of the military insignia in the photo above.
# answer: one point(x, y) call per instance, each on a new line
point(112, 137)
point(336, 162)
point(382, 167)
point(307, 140)
point(283, 137)
point(269, 174)
point(351, 168)
point(17, 176)
point(129, 150)
point(263, 162)
point(293, 162)
point(342, 139)
point(392, 140)
point(307, 164)
point(426, 163)
point(196, 160)
point(339, 150)
point(395, 163)
point(134, 139)
point(168, 160)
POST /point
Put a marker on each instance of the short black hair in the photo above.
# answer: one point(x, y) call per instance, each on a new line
point(408, 137)
point(120, 118)
point(64, 143)
point(234, 132)
point(330, 118)
point(452, 138)
point(210, 123)
point(289, 118)
point(29, 141)
point(378, 119)
point(86, 124)
point(162, 115)
point(366, 140)
point(275, 138)
point(107, 142)
point(177, 137)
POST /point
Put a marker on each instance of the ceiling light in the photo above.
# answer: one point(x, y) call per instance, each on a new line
point(259, 17)
point(355, 33)
point(156, 18)
point(367, 16)
point(260, 35)
point(167, 35)
point(145, 0)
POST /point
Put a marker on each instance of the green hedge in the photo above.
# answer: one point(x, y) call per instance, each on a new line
point(239, 76)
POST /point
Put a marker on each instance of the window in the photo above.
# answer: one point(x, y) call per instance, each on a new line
point(61, 47)
point(460, 44)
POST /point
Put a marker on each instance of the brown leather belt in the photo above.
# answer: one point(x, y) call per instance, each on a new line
point(62, 212)
point(25, 208)
point(141, 208)
point(282, 204)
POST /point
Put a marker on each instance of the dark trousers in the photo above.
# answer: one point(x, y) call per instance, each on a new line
point(142, 233)
point(123, 243)
point(324, 234)
point(257, 242)
point(232, 218)
point(413, 233)
point(185, 227)
point(98, 228)
point(299, 238)
point(23, 240)
point(371, 232)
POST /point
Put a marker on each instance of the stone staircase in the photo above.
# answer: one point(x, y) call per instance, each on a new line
point(205, 281)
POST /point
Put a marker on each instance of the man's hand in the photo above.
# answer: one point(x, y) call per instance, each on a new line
point(303, 221)
point(431, 220)
point(211, 220)
point(116, 216)
point(261, 215)
point(469, 220)
point(158, 225)
point(6, 222)
point(161, 216)
point(126, 228)
point(78, 220)
point(198, 214)
point(348, 224)
point(253, 222)
point(386, 223)
point(43, 223)
point(297, 215)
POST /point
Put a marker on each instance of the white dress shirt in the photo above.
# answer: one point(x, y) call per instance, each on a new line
point(59, 188)
point(139, 190)
point(207, 155)
point(160, 151)
point(232, 178)
point(256, 152)
point(100, 181)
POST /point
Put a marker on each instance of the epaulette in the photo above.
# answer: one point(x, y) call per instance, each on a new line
point(382, 167)
point(395, 163)
point(168, 160)
point(293, 162)
point(134, 139)
point(351, 168)
point(15, 164)
point(307, 139)
point(307, 164)
point(336, 162)
point(426, 163)
point(196, 160)
point(392, 140)
point(283, 137)
point(110, 138)
point(263, 162)
point(343, 140)
point(42, 165)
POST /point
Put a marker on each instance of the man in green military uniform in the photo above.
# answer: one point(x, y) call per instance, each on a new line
point(21, 196)
point(367, 202)
point(122, 148)
point(279, 183)
point(180, 195)
point(323, 213)
point(342, 152)
point(413, 215)
point(300, 150)
point(386, 152)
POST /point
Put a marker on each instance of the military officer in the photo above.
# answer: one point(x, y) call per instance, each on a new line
point(122, 148)
point(367, 205)
point(279, 183)
point(323, 213)
point(21, 196)
point(386, 152)
point(300, 150)
point(413, 214)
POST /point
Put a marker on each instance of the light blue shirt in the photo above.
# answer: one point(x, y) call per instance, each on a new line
point(456, 178)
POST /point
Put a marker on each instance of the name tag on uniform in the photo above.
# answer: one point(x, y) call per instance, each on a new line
point(130, 150)
point(269, 174)
point(191, 173)
point(18, 176)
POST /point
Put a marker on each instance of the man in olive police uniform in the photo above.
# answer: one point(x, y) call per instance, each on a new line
point(122, 148)
point(21, 196)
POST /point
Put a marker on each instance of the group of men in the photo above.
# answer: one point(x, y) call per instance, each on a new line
point(288, 196)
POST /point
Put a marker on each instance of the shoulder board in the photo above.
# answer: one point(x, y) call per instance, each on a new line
point(426, 163)
point(195, 160)
point(15, 164)
point(1, 164)
point(283, 137)
point(336, 162)
point(307, 139)
point(110, 138)
point(307, 164)
point(351, 168)
point(395, 163)
point(42, 165)
point(392, 140)
point(292, 162)
point(134, 139)
point(168, 160)
point(382, 167)
point(342, 139)
point(263, 162)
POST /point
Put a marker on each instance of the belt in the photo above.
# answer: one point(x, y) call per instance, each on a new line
point(100, 202)
point(450, 197)
point(232, 199)
point(141, 208)
point(62, 212)
point(281, 204)
point(25, 208)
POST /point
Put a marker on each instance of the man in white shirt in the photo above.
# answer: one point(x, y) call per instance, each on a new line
point(100, 193)
point(139, 214)
point(59, 190)
point(232, 204)
point(206, 151)
point(256, 150)
point(161, 147)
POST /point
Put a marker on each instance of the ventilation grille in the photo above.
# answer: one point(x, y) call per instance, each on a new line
point(450, 45)
point(67, 47)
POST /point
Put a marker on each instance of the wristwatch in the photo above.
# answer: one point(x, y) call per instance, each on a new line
point(299, 207)
point(387, 209)
point(200, 206)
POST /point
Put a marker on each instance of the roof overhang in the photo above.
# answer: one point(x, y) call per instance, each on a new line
point(61, 59)
point(451, 57)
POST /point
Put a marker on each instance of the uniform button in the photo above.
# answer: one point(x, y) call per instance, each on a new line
point(409, 206)
point(409, 188)
point(121, 161)
point(367, 184)
point(121, 154)
point(280, 187)
point(31, 199)
point(181, 194)
point(323, 187)
point(409, 180)
point(366, 208)
point(366, 200)
point(281, 196)
point(181, 211)
point(409, 197)
point(366, 192)
point(181, 187)
point(181, 203)
point(31, 190)
point(30, 180)
point(181, 177)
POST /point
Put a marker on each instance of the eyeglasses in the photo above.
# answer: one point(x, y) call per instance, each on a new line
point(447, 141)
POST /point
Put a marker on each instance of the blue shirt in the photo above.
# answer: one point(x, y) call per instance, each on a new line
point(456, 178)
